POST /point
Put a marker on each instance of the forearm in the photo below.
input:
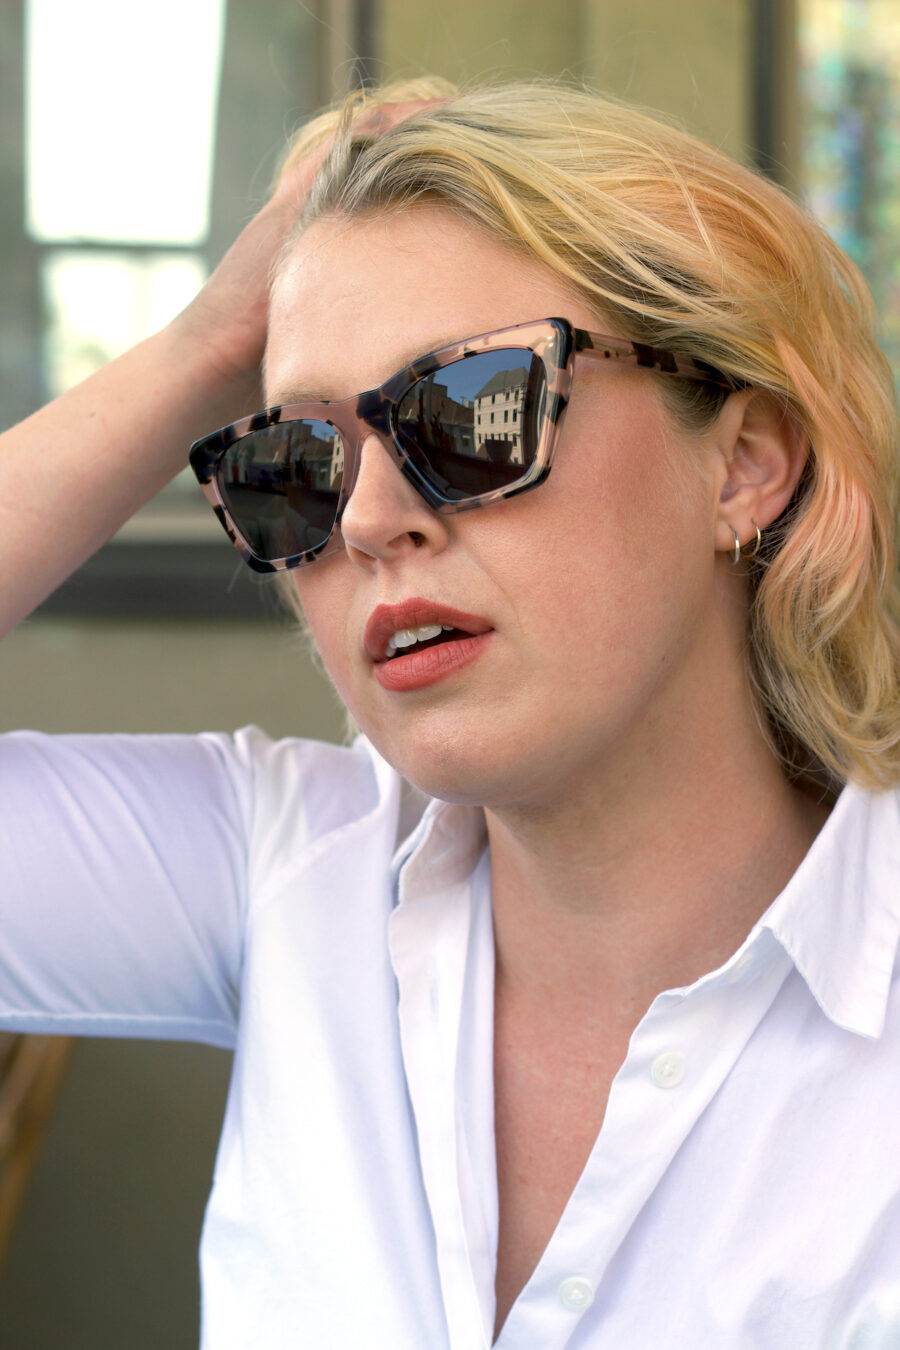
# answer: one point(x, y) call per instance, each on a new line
point(72, 473)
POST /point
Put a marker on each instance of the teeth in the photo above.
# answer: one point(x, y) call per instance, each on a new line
point(408, 637)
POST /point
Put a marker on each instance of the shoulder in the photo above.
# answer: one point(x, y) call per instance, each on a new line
point(305, 792)
point(303, 789)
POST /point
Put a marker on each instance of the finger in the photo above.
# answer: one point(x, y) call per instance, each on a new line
point(375, 121)
point(298, 174)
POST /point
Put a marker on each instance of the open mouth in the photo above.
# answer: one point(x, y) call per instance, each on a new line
point(407, 641)
point(411, 629)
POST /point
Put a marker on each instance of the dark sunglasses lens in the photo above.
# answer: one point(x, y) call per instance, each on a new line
point(282, 486)
point(474, 425)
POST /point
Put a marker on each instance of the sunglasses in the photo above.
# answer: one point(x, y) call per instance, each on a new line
point(468, 425)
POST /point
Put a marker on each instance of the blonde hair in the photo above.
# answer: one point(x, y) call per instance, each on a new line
point(684, 248)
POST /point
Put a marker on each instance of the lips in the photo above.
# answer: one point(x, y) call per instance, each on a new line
point(422, 665)
point(387, 620)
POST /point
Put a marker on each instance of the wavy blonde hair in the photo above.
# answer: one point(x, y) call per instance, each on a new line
point(684, 248)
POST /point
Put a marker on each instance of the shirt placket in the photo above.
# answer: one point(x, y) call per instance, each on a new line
point(428, 941)
point(677, 1059)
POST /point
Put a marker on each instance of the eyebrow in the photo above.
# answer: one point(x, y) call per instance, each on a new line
point(296, 396)
point(301, 394)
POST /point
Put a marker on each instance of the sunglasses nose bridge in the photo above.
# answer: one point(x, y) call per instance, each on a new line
point(381, 505)
point(356, 426)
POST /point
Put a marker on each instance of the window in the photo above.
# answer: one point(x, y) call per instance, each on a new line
point(118, 183)
point(135, 136)
point(849, 91)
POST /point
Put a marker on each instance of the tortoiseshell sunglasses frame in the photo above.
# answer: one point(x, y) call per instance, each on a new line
point(554, 341)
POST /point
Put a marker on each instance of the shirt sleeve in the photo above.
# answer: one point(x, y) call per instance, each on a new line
point(123, 884)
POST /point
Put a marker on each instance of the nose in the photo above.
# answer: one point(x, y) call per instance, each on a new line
point(385, 517)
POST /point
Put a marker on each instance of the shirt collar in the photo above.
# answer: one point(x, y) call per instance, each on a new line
point(838, 918)
point(442, 850)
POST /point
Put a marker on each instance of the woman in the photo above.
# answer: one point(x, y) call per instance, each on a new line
point(595, 863)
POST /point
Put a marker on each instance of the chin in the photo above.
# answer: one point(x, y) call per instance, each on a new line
point(451, 777)
point(469, 770)
point(442, 761)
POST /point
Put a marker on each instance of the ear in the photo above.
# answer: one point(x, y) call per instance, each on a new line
point(762, 450)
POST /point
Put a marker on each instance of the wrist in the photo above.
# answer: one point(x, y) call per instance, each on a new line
point(220, 387)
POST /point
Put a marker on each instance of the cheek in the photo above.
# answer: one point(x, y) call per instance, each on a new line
point(622, 560)
point(628, 490)
point(321, 597)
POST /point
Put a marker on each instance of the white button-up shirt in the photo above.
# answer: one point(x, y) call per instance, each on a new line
point(743, 1192)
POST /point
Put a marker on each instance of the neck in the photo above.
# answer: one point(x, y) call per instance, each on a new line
point(637, 882)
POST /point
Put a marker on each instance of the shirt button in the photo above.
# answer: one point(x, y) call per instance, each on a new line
point(667, 1070)
point(576, 1293)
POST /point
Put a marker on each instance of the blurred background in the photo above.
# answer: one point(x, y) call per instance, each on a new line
point(135, 140)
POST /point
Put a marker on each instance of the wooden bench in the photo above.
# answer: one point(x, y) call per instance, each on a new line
point(31, 1070)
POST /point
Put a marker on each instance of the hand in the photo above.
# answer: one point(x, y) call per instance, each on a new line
point(229, 314)
point(61, 470)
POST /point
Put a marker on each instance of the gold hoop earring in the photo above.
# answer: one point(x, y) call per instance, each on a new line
point(736, 556)
point(755, 549)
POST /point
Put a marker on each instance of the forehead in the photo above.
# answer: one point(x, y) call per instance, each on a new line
point(355, 301)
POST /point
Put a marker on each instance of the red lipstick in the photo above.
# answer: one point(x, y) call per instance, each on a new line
point(423, 665)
